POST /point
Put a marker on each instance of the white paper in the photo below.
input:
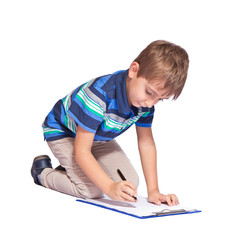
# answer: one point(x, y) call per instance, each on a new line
point(141, 208)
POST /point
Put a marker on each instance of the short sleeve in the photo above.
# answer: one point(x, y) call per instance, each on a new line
point(86, 111)
point(146, 119)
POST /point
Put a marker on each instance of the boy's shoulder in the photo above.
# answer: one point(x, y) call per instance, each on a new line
point(108, 85)
point(107, 82)
point(110, 92)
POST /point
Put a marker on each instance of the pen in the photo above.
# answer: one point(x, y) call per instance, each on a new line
point(124, 179)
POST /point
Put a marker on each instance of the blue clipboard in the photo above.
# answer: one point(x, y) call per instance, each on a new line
point(141, 210)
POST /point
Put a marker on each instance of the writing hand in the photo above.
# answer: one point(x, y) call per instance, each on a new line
point(123, 191)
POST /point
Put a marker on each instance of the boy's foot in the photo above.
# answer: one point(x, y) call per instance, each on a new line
point(39, 164)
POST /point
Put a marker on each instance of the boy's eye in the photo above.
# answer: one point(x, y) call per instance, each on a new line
point(149, 93)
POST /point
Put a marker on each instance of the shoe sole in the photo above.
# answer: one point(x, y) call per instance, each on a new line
point(41, 157)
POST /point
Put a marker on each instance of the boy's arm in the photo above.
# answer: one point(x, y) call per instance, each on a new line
point(148, 155)
point(88, 163)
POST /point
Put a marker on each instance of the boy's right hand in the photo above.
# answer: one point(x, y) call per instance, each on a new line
point(122, 191)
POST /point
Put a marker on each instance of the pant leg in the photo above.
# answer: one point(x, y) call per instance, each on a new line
point(74, 182)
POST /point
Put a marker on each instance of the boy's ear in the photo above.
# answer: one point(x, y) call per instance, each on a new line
point(133, 70)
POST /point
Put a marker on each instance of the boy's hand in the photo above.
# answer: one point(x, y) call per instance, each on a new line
point(123, 191)
point(158, 198)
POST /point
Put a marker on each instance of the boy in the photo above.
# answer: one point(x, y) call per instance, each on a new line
point(81, 128)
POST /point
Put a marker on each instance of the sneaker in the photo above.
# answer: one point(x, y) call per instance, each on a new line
point(39, 164)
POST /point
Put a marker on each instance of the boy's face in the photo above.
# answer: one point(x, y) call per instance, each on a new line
point(142, 93)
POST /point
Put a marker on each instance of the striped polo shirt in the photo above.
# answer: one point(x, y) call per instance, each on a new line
point(99, 106)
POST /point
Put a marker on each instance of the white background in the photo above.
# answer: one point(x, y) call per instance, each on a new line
point(47, 48)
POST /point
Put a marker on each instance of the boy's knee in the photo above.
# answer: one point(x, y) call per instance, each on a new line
point(135, 180)
point(132, 176)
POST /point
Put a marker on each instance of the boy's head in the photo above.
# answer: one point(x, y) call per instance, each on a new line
point(164, 64)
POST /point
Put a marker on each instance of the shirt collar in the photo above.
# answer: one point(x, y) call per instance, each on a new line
point(121, 93)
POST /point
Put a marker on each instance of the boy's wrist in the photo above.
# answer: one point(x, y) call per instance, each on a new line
point(152, 191)
point(108, 187)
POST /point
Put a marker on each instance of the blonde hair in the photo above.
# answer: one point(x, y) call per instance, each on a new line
point(166, 63)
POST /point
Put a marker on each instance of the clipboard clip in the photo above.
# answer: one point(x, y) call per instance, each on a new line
point(167, 211)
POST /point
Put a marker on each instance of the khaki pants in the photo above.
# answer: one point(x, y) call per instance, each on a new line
point(73, 181)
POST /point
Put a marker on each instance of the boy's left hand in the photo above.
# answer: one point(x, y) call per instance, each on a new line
point(158, 198)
